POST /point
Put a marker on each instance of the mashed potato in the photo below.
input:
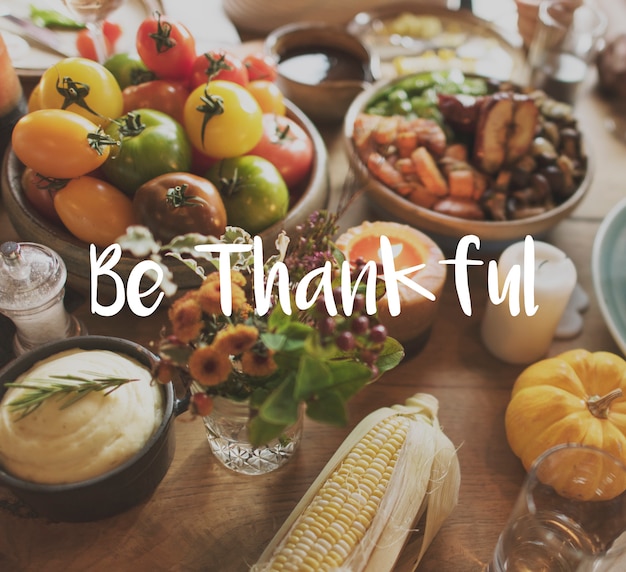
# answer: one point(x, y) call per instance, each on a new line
point(90, 437)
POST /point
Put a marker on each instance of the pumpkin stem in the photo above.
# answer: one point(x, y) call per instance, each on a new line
point(599, 406)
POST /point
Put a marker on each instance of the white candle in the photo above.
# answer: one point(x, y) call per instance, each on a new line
point(525, 338)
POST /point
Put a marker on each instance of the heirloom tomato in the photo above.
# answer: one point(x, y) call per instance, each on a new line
point(84, 87)
point(152, 143)
point(163, 95)
point(128, 70)
point(34, 99)
point(40, 191)
point(218, 64)
point(253, 191)
point(260, 66)
point(60, 144)
point(287, 146)
point(268, 96)
point(179, 203)
point(94, 210)
point(166, 47)
point(223, 119)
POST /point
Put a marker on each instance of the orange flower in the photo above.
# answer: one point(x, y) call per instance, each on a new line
point(185, 315)
point(235, 339)
point(209, 366)
point(260, 365)
point(209, 293)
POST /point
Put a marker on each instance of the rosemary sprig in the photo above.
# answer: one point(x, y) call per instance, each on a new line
point(67, 388)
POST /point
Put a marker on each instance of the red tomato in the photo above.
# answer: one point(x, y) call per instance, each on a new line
point(166, 47)
point(287, 146)
point(39, 192)
point(160, 94)
point(261, 66)
point(200, 162)
point(84, 41)
point(218, 64)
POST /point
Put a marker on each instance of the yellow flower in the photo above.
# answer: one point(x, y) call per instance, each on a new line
point(209, 366)
point(260, 365)
point(209, 293)
point(185, 315)
point(236, 339)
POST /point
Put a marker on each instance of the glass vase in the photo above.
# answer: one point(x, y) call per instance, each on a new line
point(227, 432)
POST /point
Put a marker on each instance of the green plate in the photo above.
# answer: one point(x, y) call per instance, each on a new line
point(608, 265)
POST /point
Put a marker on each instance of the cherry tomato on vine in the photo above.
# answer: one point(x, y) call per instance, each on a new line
point(287, 146)
point(223, 119)
point(261, 66)
point(166, 47)
point(94, 211)
point(253, 191)
point(218, 64)
point(85, 44)
point(179, 203)
point(60, 144)
point(84, 87)
point(268, 96)
point(39, 192)
point(164, 95)
point(153, 143)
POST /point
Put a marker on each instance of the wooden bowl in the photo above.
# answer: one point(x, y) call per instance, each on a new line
point(495, 234)
point(32, 227)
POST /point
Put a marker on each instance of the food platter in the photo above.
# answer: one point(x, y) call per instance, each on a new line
point(412, 38)
point(608, 265)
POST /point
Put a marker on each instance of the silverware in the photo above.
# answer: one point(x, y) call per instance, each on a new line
point(41, 37)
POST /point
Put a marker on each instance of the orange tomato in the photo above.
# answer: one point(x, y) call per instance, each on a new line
point(268, 96)
point(94, 211)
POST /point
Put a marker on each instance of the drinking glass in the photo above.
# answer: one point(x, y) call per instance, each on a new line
point(569, 516)
point(567, 37)
point(93, 13)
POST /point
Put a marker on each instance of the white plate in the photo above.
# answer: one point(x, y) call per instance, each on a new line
point(608, 266)
point(206, 22)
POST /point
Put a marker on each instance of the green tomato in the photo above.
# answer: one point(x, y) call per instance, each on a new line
point(128, 70)
point(254, 192)
point(151, 144)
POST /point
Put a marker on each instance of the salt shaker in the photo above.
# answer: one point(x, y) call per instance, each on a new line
point(32, 287)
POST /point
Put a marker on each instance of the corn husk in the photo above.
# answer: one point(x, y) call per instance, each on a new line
point(422, 490)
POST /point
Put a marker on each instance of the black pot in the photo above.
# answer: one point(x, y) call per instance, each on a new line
point(119, 489)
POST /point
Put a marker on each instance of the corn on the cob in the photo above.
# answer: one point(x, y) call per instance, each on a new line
point(358, 514)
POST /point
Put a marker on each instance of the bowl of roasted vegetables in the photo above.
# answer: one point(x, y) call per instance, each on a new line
point(454, 154)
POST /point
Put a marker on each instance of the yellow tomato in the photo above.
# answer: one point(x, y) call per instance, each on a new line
point(268, 96)
point(34, 99)
point(84, 87)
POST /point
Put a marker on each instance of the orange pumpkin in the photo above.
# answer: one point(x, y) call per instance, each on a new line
point(576, 397)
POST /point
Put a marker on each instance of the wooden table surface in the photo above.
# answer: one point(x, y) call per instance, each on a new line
point(206, 518)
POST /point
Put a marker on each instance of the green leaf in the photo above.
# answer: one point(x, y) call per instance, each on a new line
point(272, 341)
point(262, 432)
point(349, 377)
point(390, 356)
point(277, 318)
point(281, 408)
point(313, 376)
point(329, 407)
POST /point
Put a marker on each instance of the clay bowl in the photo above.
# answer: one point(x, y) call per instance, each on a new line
point(32, 227)
point(351, 68)
point(447, 229)
point(119, 489)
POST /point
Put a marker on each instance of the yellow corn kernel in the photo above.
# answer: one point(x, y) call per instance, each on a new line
point(344, 513)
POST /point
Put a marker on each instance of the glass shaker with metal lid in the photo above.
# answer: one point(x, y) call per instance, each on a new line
point(32, 288)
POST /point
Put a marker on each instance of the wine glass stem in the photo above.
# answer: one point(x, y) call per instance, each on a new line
point(95, 29)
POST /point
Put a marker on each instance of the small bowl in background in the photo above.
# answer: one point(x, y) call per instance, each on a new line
point(321, 68)
point(119, 489)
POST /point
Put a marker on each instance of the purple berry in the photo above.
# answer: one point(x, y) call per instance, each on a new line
point(345, 341)
point(360, 324)
point(378, 334)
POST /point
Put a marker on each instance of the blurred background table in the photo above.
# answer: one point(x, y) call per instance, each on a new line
point(206, 518)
